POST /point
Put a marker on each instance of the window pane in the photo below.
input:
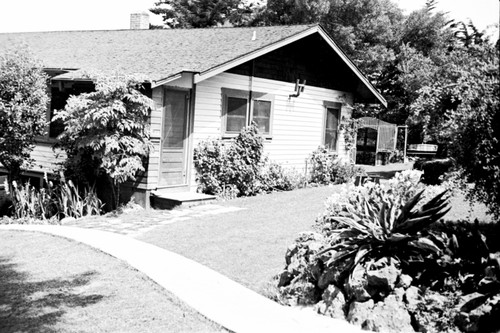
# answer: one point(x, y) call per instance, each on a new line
point(236, 114)
point(262, 115)
point(332, 121)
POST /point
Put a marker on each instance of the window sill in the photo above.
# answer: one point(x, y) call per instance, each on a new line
point(232, 136)
point(46, 140)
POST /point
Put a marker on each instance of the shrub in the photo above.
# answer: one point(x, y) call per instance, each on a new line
point(106, 132)
point(326, 168)
point(212, 165)
point(433, 170)
point(234, 165)
point(274, 177)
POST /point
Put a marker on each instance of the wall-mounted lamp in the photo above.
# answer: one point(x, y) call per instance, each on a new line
point(299, 87)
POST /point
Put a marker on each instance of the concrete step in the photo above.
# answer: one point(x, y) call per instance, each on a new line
point(161, 199)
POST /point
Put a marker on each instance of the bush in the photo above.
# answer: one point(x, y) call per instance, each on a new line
point(274, 177)
point(433, 170)
point(326, 168)
point(233, 166)
point(239, 168)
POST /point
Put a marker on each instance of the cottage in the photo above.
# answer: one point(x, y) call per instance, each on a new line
point(293, 81)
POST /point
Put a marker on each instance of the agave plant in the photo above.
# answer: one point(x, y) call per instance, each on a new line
point(387, 228)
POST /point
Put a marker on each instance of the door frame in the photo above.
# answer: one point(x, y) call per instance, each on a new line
point(187, 136)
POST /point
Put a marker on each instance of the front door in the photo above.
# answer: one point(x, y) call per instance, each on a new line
point(174, 138)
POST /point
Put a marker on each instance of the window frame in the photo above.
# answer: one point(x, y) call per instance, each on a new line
point(251, 97)
point(338, 107)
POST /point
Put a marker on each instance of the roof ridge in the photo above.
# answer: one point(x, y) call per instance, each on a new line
point(163, 30)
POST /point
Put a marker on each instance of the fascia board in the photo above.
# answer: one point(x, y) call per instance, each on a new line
point(352, 66)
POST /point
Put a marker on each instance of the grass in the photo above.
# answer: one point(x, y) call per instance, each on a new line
point(50, 284)
point(249, 246)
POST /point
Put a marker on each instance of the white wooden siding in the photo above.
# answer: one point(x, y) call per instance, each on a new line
point(297, 125)
point(46, 159)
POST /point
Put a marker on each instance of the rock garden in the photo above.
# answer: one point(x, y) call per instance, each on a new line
point(383, 258)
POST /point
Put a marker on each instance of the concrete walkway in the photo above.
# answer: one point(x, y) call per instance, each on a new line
point(218, 298)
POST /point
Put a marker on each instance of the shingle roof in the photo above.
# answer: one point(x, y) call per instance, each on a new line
point(157, 54)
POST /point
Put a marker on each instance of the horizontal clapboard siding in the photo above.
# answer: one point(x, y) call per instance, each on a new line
point(46, 159)
point(297, 123)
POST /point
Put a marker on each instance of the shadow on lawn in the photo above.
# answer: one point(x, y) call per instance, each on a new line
point(37, 306)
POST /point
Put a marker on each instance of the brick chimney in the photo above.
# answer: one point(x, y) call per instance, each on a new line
point(139, 21)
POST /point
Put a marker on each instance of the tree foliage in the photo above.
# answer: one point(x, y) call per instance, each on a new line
point(203, 13)
point(23, 107)
point(459, 109)
point(107, 131)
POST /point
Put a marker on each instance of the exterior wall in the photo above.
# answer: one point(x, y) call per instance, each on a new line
point(297, 123)
point(151, 180)
point(46, 159)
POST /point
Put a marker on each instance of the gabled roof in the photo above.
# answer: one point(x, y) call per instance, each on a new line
point(162, 54)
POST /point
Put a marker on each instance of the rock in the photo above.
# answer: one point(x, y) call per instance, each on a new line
point(412, 298)
point(434, 300)
point(285, 277)
point(399, 293)
point(299, 293)
point(332, 303)
point(332, 275)
point(404, 281)
point(67, 220)
point(483, 318)
point(471, 301)
point(306, 245)
point(355, 286)
point(389, 316)
point(382, 279)
point(359, 312)
point(494, 259)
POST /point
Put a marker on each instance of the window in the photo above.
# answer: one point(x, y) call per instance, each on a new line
point(332, 125)
point(241, 108)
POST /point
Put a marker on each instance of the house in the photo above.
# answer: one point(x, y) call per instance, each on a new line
point(293, 81)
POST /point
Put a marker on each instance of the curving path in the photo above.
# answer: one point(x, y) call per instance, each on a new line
point(218, 298)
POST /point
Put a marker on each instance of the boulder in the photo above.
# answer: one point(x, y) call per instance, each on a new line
point(412, 298)
point(389, 316)
point(299, 293)
point(382, 276)
point(332, 275)
point(479, 313)
point(359, 312)
point(332, 303)
point(356, 285)
point(404, 281)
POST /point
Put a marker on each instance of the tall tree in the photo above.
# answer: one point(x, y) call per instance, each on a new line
point(204, 13)
point(459, 108)
point(23, 108)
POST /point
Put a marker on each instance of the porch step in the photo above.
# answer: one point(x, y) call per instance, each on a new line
point(168, 200)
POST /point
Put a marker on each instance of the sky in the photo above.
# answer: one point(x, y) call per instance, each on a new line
point(57, 15)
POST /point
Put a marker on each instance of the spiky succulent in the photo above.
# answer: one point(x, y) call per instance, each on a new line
point(387, 229)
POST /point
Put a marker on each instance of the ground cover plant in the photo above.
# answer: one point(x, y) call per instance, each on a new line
point(382, 261)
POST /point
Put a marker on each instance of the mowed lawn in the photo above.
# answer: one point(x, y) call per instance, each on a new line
point(249, 246)
point(51, 284)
